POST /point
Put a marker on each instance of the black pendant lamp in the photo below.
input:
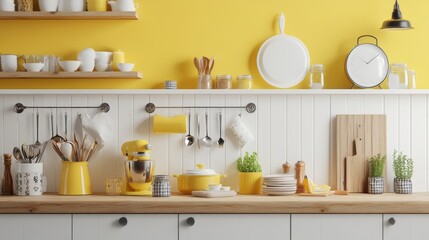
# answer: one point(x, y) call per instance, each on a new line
point(396, 22)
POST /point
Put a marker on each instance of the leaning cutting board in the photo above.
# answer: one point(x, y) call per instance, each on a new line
point(371, 128)
point(356, 169)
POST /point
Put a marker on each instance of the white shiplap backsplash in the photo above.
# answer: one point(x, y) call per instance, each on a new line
point(288, 126)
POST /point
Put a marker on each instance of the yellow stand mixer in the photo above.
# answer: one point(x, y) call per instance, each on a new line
point(138, 168)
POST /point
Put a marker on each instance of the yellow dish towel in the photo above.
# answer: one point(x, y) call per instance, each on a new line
point(175, 124)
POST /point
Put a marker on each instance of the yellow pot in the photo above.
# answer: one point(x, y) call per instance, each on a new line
point(189, 183)
point(250, 182)
point(75, 179)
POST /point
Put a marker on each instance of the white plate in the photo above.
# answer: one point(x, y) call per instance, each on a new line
point(283, 60)
point(280, 193)
point(280, 184)
point(281, 176)
point(279, 189)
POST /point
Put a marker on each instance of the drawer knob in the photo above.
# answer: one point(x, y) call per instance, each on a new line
point(123, 221)
point(392, 221)
point(190, 221)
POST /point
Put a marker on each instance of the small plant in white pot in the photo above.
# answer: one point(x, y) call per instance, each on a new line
point(376, 169)
point(403, 167)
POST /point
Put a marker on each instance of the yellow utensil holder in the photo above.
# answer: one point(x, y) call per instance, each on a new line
point(250, 183)
point(75, 179)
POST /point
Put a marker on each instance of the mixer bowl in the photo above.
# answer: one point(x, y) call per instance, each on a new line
point(138, 173)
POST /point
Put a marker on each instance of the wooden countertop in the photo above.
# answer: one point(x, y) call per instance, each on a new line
point(353, 203)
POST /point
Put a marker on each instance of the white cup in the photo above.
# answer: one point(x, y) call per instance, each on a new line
point(103, 57)
point(29, 179)
point(48, 5)
point(102, 67)
point(9, 62)
point(7, 6)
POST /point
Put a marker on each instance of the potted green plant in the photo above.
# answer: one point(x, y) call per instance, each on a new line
point(376, 170)
point(403, 167)
point(250, 174)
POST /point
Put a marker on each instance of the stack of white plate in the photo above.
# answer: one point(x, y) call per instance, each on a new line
point(279, 184)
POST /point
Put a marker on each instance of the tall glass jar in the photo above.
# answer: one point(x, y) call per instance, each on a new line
point(398, 76)
point(223, 81)
point(317, 76)
point(244, 81)
point(411, 79)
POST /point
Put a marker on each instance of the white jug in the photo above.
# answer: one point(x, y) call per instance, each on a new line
point(123, 5)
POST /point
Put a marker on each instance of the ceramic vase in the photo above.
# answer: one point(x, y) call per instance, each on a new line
point(250, 182)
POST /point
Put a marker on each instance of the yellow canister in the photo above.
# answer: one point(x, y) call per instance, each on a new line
point(118, 57)
point(75, 179)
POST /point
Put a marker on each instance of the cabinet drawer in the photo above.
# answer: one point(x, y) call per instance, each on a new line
point(35, 226)
point(406, 226)
point(234, 226)
point(337, 226)
point(124, 226)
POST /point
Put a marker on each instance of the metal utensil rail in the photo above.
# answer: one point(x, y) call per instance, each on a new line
point(250, 107)
point(19, 107)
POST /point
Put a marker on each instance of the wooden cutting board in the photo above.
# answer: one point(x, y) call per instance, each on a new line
point(356, 169)
point(371, 129)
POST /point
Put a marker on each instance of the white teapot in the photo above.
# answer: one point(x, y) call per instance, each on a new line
point(123, 5)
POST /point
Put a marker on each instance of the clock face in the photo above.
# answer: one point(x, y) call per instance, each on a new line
point(367, 65)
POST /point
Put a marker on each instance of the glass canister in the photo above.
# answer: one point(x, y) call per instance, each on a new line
point(204, 81)
point(411, 79)
point(244, 81)
point(398, 76)
point(223, 81)
point(161, 186)
point(317, 76)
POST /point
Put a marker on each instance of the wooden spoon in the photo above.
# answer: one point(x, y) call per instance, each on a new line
point(206, 65)
point(197, 65)
point(202, 66)
point(211, 64)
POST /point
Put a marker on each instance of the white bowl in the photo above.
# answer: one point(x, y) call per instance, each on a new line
point(87, 66)
point(103, 57)
point(69, 66)
point(86, 54)
point(125, 67)
point(33, 67)
point(215, 187)
point(102, 67)
point(225, 188)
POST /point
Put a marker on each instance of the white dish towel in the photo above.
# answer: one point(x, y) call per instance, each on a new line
point(98, 127)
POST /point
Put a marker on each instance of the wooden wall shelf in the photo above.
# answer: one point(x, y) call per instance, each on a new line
point(36, 15)
point(71, 75)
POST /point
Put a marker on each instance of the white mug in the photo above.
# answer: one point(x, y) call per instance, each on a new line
point(103, 57)
point(241, 132)
point(29, 178)
point(48, 5)
point(9, 62)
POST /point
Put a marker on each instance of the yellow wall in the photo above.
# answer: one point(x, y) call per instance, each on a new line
point(171, 32)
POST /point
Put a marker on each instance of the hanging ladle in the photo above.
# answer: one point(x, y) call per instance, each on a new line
point(189, 139)
point(207, 140)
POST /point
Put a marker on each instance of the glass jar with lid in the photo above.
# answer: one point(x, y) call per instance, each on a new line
point(411, 79)
point(317, 76)
point(223, 81)
point(398, 76)
point(244, 81)
point(204, 81)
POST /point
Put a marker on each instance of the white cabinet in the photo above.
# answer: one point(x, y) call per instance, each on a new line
point(124, 226)
point(406, 226)
point(35, 226)
point(234, 226)
point(336, 227)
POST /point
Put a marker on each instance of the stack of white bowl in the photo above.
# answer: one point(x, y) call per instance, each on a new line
point(279, 184)
point(87, 60)
point(103, 61)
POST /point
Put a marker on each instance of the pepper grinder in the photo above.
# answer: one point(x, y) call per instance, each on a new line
point(286, 167)
point(7, 183)
point(299, 175)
